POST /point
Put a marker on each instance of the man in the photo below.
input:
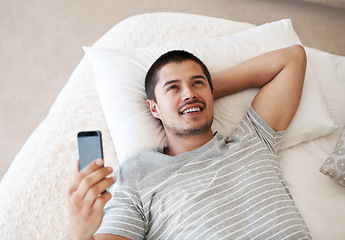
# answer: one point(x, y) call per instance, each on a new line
point(201, 185)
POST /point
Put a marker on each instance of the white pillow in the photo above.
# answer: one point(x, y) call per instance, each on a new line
point(120, 78)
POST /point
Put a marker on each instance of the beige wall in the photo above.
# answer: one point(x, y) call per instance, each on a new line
point(333, 3)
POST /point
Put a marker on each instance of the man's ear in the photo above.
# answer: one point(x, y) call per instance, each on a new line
point(153, 108)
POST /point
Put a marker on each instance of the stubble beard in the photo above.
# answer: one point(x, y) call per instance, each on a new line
point(190, 132)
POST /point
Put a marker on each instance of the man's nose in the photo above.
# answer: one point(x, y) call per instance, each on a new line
point(188, 94)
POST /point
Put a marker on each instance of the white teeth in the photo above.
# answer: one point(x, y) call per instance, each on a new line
point(194, 109)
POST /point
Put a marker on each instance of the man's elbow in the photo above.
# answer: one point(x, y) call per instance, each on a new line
point(299, 55)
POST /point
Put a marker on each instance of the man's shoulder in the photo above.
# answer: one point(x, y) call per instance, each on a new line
point(141, 161)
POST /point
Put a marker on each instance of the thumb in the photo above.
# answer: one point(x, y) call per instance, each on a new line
point(76, 171)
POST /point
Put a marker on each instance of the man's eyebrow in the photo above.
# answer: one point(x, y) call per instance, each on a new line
point(170, 82)
point(176, 80)
point(198, 76)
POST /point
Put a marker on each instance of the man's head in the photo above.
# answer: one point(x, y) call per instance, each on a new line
point(180, 94)
point(176, 56)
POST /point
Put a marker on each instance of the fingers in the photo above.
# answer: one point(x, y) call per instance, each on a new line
point(97, 192)
point(98, 163)
point(77, 169)
point(80, 175)
point(90, 182)
point(101, 201)
point(95, 184)
point(75, 182)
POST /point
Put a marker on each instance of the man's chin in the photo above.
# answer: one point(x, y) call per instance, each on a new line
point(190, 131)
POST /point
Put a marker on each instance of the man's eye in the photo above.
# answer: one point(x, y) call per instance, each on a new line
point(172, 87)
point(198, 82)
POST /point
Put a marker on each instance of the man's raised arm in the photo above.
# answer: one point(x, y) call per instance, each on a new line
point(279, 74)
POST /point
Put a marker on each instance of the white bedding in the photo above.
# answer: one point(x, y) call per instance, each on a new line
point(33, 203)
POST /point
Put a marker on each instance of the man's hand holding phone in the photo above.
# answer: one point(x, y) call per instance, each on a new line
point(87, 197)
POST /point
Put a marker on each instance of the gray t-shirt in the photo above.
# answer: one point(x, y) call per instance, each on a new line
point(230, 188)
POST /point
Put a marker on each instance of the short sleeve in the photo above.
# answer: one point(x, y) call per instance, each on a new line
point(123, 213)
point(270, 137)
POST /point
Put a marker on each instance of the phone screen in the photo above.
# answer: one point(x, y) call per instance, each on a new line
point(90, 147)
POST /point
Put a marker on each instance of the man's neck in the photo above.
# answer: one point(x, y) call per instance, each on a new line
point(181, 144)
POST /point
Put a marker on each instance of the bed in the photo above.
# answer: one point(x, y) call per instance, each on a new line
point(105, 92)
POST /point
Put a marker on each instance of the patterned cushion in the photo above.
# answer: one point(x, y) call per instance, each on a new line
point(334, 166)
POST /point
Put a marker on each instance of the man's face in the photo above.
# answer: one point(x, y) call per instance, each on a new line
point(184, 99)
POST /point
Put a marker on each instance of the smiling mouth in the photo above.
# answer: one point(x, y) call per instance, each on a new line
point(191, 107)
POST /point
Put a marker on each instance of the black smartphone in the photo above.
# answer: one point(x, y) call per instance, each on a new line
point(90, 147)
